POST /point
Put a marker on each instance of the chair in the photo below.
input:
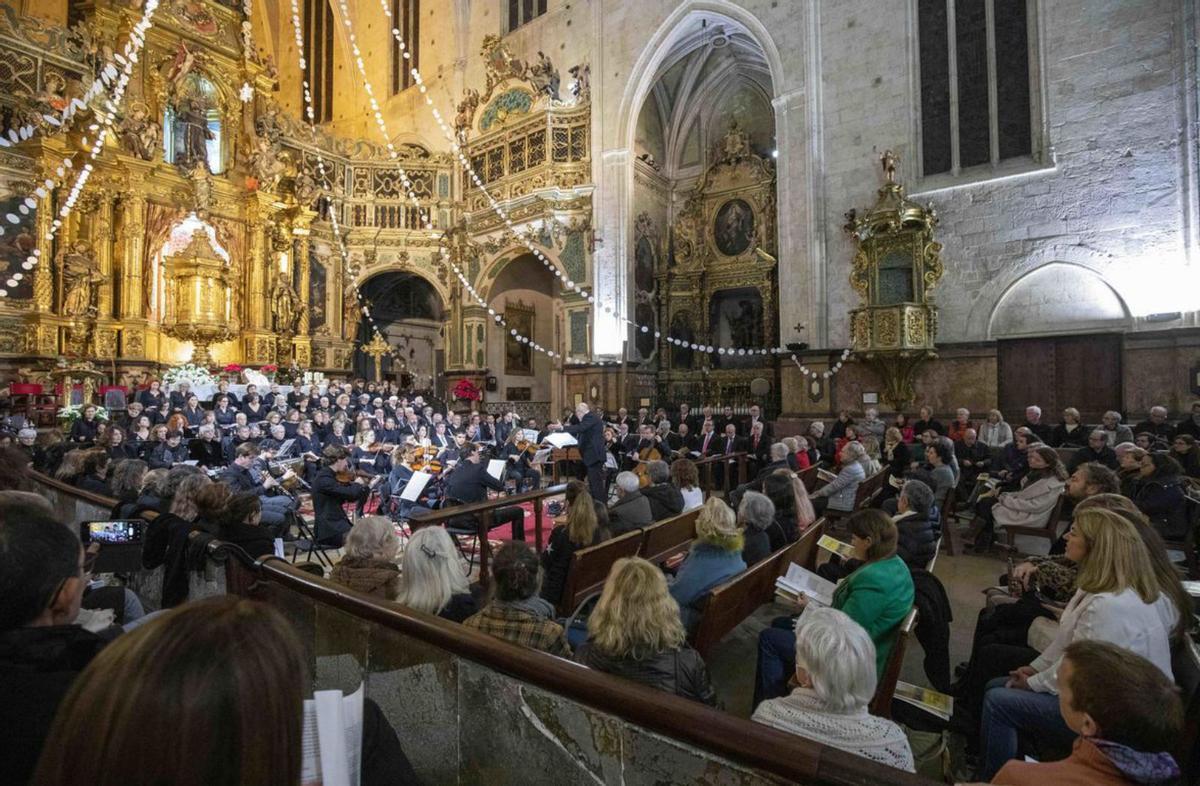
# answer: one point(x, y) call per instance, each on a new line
point(1049, 530)
point(115, 398)
point(307, 542)
point(462, 528)
point(881, 703)
point(809, 478)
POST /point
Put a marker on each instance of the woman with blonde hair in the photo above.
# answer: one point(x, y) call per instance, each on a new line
point(580, 531)
point(715, 556)
point(994, 432)
point(432, 577)
point(635, 632)
point(369, 562)
point(1118, 600)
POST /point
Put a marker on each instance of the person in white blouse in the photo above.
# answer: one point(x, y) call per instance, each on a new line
point(834, 682)
point(994, 432)
point(1119, 599)
point(686, 478)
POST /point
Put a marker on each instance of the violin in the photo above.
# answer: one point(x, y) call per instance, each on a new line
point(525, 446)
point(350, 475)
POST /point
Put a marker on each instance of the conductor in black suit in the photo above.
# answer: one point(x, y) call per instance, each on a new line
point(590, 435)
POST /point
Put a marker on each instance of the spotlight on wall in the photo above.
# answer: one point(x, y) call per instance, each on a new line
point(774, 154)
point(1168, 316)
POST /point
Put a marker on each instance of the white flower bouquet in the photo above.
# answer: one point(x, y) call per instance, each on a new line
point(189, 373)
point(70, 414)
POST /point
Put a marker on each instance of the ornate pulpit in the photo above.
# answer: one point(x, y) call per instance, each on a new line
point(897, 264)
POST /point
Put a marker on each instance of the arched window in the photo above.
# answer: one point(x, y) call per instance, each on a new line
point(406, 15)
point(194, 118)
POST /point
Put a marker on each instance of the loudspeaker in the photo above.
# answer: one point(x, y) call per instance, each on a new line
point(491, 384)
point(798, 346)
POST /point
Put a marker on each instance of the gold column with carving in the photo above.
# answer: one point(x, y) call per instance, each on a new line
point(303, 341)
point(258, 341)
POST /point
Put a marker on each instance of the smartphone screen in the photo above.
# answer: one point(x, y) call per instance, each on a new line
point(112, 532)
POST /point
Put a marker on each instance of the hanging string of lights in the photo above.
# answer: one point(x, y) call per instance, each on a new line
point(105, 116)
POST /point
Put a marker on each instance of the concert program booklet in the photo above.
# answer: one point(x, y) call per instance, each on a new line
point(830, 543)
point(927, 699)
point(332, 743)
point(800, 581)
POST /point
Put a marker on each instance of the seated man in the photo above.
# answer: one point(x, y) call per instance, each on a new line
point(973, 457)
point(42, 580)
point(631, 510)
point(1097, 451)
point(779, 454)
point(243, 475)
point(665, 500)
point(330, 493)
point(1157, 425)
point(469, 482)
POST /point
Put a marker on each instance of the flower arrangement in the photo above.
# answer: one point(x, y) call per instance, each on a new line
point(467, 390)
point(268, 369)
point(189, 373)
point(74, 412)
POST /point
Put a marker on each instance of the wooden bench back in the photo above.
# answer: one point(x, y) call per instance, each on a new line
point(809, 477)
point(804, 551)
point(1185, 663)
point(881, 704)
point(669, 536)
point(590, 567)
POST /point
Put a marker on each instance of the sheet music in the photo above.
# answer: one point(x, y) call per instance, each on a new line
point(285, 448)
point(529, 434)
point(332, 741)
point(560, 440)
point(541, 456)
point(495, 468)
point(416, 484)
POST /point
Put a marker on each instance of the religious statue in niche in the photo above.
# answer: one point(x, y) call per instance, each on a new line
point(733, 229)
point(267, 163)
point(80, 275)
point(736, 317)
point(351, 316)
point(286, 306)
point(191, 134)
point(139, 134)
point(317, 288)
point(518, 356)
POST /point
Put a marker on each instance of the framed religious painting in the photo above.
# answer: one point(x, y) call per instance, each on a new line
point(518, 356)
point(733, 228)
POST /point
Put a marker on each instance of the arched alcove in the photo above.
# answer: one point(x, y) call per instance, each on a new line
point(1058, 298)
point(524, 293)
point(410, 312)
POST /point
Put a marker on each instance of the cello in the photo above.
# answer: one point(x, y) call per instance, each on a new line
point(644, 456)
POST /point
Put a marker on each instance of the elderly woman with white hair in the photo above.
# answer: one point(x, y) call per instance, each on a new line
point(840, 492)
point(994, 432)
point(632, 509)
point(756, 518)
point(834, 682)
point(871, 424)
point(369, 563)
point(433, 578)
point(1114, 432)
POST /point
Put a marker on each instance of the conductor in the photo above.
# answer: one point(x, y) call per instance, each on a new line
point(589, 432)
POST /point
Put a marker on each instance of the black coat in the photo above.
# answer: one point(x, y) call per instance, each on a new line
point(590, 434)
point(681, 671)
point(84, 431)
point(1162, 500)
point(665, 500)
point(1085, 455)
point(207, 454)
point(1076, 438)
point(468, 482)
point(917, 542)
point(933, 627)
point(556, 562)
point(328, 495)
point(37, 667)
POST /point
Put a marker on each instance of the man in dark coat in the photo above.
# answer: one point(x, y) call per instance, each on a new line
point(665, 500)
point(42, 580)
point(589, 432)
point(469, 482)
point(329, 494)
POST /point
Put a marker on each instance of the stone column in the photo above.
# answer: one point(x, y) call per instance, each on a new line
point(610, 260)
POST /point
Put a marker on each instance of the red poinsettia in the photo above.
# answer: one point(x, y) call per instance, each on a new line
point(268, 369)
point(232, 368)
point(467, 391)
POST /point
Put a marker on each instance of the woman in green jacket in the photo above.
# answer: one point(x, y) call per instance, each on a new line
point(878, 595)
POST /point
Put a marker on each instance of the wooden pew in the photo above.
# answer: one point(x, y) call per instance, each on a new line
point(669, 537)
point(590, 567)
point(1185, 663)
point(881, 704)
point(733, 601)
point(705, 467)
point(809, 477)
point(950, 534)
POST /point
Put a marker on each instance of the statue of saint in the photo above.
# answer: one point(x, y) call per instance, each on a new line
point(351, 316)
point(286, 306)
point(80, 275)
point(191, 129)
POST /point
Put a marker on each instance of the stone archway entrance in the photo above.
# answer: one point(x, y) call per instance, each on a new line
point(410, 312)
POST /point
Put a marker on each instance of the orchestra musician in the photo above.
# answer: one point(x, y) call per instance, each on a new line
point(366, 456)
point(247, 473)
point(403, 458)
point(517, 455)
point(333, 486)
point(469, 482)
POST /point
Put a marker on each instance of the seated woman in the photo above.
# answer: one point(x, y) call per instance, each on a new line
point(516, 613)
point(239, 522)
point(756, 519)
point(517, 464)
point(994, 432)
point(904, 427)
point(878, 595)
point(1159, 494)
point(635, 632)
point(1126, 726)
point(368, 563)
point(433, 578)
point(850, 435)
point(715, 555)
point(1029, 506)
point(793, 508)
point(117, 446)
point(938, 456)
point(833, 684)
point(1119, 600)
point(917, 525)
point(1071, 433)
point(580, 531)
point(126, 485)
point(1185, 450)
point(839, 494)
point(686, 478)
point(94, 472)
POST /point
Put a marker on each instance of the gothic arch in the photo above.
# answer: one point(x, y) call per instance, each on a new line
point(398, 267)
point(492, 269)
point(1057, 297)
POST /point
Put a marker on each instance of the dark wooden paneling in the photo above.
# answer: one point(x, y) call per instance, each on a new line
point(1058, 372)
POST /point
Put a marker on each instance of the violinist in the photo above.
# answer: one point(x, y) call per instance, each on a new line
point(517, 455)
point(247, 473)
point(469, 482)
point(404, 459)
point(366, 456)
point(332, 487)
point(421, 437)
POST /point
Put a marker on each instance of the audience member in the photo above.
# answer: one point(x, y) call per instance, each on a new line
point(1118, 600)
point(906, 430)
point(833, 684)
point(973, 458)
point(1157, 425)
point(1126, 726)
point(871, 424)
point(240, 523)
point(1035, 424)
point(1129, 466)
point(433, 579)
point(686, 478)
point(994, 432)
point(1159, 493)
point(665, 499)
point(1071, 433)
point(793, 509)
point(631, 510)
point(1186, 451)
point(1190, 425)
point(927, 422)
point(1114, 432)
point(580, 531)
point(635, 632)
point(368, 564)
point(1029, 506)
point(714, 557)
point(42, 581)
point(93, 476)
point(938, 457)
point(839, 494)
point(878, 595)
point(516, 612)
point(1096, 450)
point(126, 486)
point(960, 424)
point(756, 518)
point(917, 525)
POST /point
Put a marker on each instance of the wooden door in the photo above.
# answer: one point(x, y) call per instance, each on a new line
point(1059, 372)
